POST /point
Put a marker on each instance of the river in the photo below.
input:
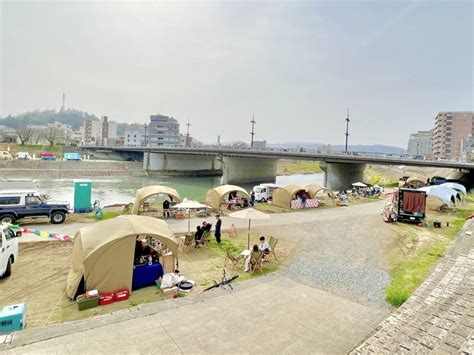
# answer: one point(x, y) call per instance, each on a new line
point(122, 190)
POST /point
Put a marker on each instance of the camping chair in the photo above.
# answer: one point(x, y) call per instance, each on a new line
point(235, 260)
point(188, 241)
point(273, 242)
point(206, 236)
point(256, 261)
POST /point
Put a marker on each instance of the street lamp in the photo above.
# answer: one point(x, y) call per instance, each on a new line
point(145, 142)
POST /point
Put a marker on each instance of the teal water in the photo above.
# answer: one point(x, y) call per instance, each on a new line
point(122, 190)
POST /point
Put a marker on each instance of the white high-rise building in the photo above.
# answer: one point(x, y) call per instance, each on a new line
point(420, 143)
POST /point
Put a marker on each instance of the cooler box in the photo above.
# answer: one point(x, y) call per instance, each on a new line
point(82, 196)
point(121, 295)
point(106, 298)
point(84, 302)
point(13, 318)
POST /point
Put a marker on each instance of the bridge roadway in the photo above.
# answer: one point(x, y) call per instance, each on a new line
point(270, 154)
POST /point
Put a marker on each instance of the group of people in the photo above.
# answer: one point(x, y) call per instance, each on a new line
point(262, 246)
point(206, 227)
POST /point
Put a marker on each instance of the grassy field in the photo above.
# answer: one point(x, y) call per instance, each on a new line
point(419, 248)
point(32, 148)
point(288, 167)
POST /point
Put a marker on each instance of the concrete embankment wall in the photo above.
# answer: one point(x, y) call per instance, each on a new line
point(68, 169)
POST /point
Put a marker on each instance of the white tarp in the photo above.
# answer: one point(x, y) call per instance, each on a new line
point(444, 193)
point(455, 186)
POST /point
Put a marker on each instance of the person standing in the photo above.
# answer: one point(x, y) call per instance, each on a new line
point(166, 209)
point(252, 198)
point(217, 232)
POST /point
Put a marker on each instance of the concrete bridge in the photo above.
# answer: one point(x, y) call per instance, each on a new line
point(250, 165)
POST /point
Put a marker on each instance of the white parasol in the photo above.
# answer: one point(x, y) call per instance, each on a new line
point(359, 184)
point(189, 205)
point(249, 213)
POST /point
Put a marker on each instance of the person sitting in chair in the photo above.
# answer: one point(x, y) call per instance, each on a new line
point(166, 209)
point(264, 246)
point(198, 235)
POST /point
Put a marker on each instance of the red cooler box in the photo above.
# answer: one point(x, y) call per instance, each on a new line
point(121, 295)
point(106, 298)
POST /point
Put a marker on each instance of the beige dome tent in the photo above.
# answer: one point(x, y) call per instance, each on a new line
point(215, 196)
point(314, 189)
point(103, 252)
point(282, 196)
point(146, 192)
point(416, 182)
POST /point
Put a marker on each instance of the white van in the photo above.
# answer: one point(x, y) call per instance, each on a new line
point(23, 155)
point(4, 155)
point(8, 249)
point(263, 192)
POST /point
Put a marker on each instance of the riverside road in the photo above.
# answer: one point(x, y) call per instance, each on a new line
point(325, 301)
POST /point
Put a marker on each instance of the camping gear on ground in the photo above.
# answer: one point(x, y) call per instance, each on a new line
point(121, 295)
point(249, 213)
point(437, 224)
point(186, 285)
point(190, 205)
point(146, 275)
point(84, 302)
point(235, 260)
point(103, 253)
point(148, 191)
point(272, 242)
point(225, 282)
point(13, 318)
point(82, 196)
point(106, 298)
point(170, 279)
point(411, 205)
point(170, 292)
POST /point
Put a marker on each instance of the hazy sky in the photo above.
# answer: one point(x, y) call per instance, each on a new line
point(297, 64)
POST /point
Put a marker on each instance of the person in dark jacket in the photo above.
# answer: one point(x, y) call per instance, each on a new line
point(198, 236)
point(217, 232)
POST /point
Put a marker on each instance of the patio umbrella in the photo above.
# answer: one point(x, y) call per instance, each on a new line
point(359, 184)
point(249, 213)
point(189, 205)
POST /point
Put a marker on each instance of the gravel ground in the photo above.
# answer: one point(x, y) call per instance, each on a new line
point(345, 255)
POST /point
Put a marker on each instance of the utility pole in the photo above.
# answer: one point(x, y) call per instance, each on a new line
point(63, 107)
point(253, 130)
point(347, 128)
point(187, 134)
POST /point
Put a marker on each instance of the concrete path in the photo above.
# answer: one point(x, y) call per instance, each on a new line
point(263, 316)
point(284, 312)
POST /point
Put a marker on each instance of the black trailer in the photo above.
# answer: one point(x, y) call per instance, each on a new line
point(411, 205)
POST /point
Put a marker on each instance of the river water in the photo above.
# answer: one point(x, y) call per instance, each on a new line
point(111, 191)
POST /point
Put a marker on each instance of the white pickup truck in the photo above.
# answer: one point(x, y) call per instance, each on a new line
point(8, 249)
point(263, 192)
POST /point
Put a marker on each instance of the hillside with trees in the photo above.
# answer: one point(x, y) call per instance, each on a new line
point(72, 117)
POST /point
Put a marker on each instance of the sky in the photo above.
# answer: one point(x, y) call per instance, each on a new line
point(296, 65)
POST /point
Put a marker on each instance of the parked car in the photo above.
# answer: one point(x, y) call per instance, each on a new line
point(48, 156)
point(4, 155)
point(8, 249)
point(263, 192)
point(437, 180)
point(23, 155)
point(15, 205)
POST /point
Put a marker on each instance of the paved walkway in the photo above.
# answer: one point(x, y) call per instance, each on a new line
point(288, 311)
point(439, 316)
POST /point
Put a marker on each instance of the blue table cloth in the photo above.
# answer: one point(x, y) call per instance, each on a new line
point(146, 275)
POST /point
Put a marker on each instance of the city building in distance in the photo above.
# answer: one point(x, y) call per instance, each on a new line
point(450, 129)
point(101, 132)
point(420, 144)
point(163, 131)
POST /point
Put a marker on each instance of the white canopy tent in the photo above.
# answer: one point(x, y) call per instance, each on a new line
point(190, 205)
point(455, 186)
point(249, 213)
point(445, 194)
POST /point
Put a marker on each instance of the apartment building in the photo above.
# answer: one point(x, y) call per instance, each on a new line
point(420, 143)
point(163, 131)
point(450, 129)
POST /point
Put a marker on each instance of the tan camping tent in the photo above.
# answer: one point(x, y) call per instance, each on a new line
point(215, 196)
point(103, 252)
point(146, 192)
point(282, 196)
point(416, 182)
point(314, 189)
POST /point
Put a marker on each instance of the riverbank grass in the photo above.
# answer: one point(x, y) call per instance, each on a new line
point(419, 249)
point(288, 167)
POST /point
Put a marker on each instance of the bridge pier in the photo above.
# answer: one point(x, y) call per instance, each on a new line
point(340, 176)
point(243, 170)
point(182, 164)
